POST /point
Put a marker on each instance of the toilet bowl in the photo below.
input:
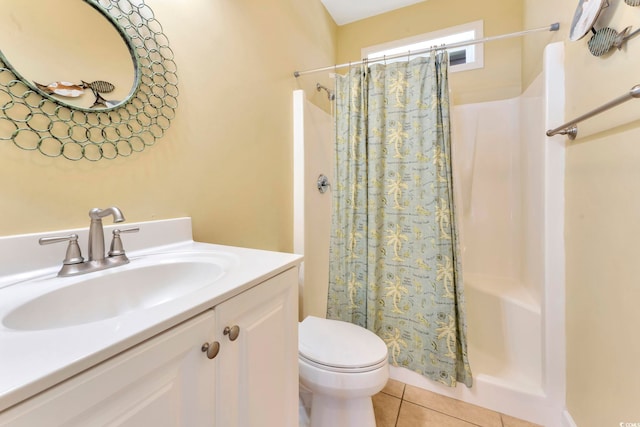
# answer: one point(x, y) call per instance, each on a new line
point(342, 365)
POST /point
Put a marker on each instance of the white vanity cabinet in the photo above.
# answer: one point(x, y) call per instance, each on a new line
point(257, 374)
point(169, 380)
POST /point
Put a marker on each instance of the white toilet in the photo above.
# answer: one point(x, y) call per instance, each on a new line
point(342, 365)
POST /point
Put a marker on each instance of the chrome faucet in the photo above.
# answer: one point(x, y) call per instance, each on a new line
point(74, 263)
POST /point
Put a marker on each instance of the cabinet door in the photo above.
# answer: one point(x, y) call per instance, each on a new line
point(165, 381)
point(257, 382)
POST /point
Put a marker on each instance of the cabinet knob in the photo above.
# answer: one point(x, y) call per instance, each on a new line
point(233, 332)
point(212, 349)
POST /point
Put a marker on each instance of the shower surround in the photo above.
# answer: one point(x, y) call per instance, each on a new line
point(509, 183)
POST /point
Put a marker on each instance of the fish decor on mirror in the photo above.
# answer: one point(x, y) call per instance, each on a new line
point(98, 87)
point(72, 90)
point(66, 89)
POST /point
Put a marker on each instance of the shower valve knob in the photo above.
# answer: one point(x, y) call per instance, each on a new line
point(323, 184)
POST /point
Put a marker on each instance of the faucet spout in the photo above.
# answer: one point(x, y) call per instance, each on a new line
point(96, 233)
point(97, 213)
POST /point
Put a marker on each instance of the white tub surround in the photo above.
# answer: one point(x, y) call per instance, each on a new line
point(313, 156)
point(35, 359)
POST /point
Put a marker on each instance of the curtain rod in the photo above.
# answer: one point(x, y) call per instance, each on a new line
point(552, 27)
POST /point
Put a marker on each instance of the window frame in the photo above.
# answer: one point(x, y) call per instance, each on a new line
point(476, 49)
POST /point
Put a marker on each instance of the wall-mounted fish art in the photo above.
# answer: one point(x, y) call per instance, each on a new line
point(98, 87)
point(66, 89)
point(607, 38)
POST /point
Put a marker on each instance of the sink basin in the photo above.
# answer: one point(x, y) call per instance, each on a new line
point(112, 293)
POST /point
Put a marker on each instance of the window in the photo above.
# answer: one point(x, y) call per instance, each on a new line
point(460, 58)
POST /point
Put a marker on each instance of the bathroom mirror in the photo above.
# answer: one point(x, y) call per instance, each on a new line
point(79, 45)
point(112, 51)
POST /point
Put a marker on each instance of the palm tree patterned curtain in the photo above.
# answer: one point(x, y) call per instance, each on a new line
point(394, 264)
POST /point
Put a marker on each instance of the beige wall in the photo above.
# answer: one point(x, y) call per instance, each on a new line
point(602, 226)
point(500, 77)
point(225, 161)
point(536, 15)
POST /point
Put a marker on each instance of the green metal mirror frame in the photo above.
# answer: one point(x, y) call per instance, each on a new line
point(35, 121)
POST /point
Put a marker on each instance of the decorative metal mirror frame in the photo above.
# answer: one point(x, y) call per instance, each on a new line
point(34, 120)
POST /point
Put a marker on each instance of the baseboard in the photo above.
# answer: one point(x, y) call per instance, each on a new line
point(567, 420)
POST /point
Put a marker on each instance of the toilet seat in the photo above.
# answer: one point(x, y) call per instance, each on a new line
point(341, 369)
point(338, 346)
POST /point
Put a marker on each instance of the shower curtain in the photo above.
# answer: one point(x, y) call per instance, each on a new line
point(394, 262)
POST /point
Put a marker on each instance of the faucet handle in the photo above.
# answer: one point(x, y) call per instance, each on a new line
point(73, 255)
point(116, 243)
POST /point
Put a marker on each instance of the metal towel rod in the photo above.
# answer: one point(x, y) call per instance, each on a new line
point(571, 128)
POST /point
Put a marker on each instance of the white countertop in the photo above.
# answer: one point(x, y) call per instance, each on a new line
point(34, 360)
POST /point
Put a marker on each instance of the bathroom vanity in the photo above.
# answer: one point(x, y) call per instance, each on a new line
point(222, 352)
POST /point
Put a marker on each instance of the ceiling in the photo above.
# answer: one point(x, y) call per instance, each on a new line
point(346, 11)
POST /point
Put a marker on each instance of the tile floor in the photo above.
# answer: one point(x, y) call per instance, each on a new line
point(402, 405)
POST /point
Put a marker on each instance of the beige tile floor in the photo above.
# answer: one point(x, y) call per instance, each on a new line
point(402, 405)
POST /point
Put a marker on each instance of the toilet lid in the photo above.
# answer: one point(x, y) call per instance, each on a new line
point(338, 344)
